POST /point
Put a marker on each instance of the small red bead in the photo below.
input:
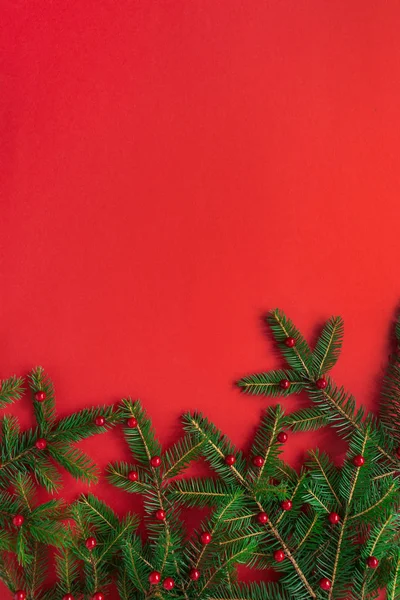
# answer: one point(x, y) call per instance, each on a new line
point(290, 342)
point(282, 437)
point(40, 396)
point(160, 514)
point(98, 596)
point(68, 597)
point(230, 460)
point(155, 461)
point(168, 583)
point(41, 444)
point(194, 574)
point(334, 518)
point(205, 538)
point(133, 476)
point(358, 460)
point(286, 504)
point(279, 555)
point(154, 578)
point(20, 595)
point(132, 422)
point(18, 520)
point(372, 562)
point(325, 584)
point(262, 517)
point(258, 461)
point(91, 543)
point(321, 383)
point(100, 421)
point(284, 384)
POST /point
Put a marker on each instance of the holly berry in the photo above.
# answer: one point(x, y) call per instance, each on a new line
point(205, 538)
point(230, 460)
point(284, 384)
point(98, 596)
point(194, 574)
point(358, 460)
point(279, 555)
point(258, 461)
point(91, 543)
point(333, 518)
point(41, 444)
point(155, 461)
point(40, 396)
point(168, 583)
point(100, 421)
point(68, 597)
point(133, 475)
point(132, 422)
point(372, 562)
point(325, 584)
point(290, 342)
point(20, 595)
point(154, 577)
point(262, 518)
point(286, 504)
point(282, 437)
point(18, 520)
point(321, 383)
point(160, 514)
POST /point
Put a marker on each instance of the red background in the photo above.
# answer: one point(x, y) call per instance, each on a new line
point(171, 170)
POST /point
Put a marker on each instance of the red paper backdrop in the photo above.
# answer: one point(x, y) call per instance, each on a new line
point(171, 170)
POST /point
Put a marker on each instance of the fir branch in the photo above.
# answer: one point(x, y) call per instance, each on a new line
point(328, 347)
point(11, 389)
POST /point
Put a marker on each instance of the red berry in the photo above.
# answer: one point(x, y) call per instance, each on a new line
point(290, 342)
point(372, 562)
point(398, 452)
point(282, 437)
point(334, 518)
point(279, 555)
point(91, 543)
point(325, 584)
point(321, 383)
point(40, 396)
point(284, 384)
point(41, 444)
point(194, 574)
point(168, 583)
point(100, 421)
point(18, 520)
point(132, 422)
point(154, 577)
point(262, 517)
point(230, 460)
point(68, 597)
point(258, 461)
point(286, 504)
point(155, 461)
point(98, 596)
point(133, 475)
point(358, 460)
point(160, 514)
point(205, 538)
point(20, 595)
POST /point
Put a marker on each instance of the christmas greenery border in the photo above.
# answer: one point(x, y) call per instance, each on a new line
point(331, 532)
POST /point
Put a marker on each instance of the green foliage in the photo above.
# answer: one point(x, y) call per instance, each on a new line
point(251, 508)
point(19, 453)
point(11, 389)
point(333, 404)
